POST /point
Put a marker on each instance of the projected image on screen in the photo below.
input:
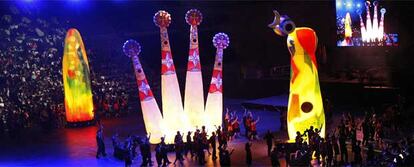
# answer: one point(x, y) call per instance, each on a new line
point(361, 23)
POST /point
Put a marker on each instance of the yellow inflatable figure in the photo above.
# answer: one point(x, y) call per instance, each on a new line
point(305, 107)
point(76, 81)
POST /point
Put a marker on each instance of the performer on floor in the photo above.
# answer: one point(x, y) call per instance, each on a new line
point(334, 141)
point(178, 141)
point(195, 146)
point(226, 121)
point(164, 151)
point(219, 136)
point(158, 154)
point(274, 158)
point(224, 156)
point(200, 150)
point(370, 154)
point(342, 145)
point(246, 122)
point(128, 156)
point(224, 138)
point(128, 159)
point(100, 142)
point(188, 145)
point(310, 132)
point(212, 141)
point(299, 139)
point(269, 141)
point(115, 143)
point(236, 127)
point(329, 151)
point(145, 149)
point(253, 128)
point(135, 142)
point(248, 153)
point(323, 148)
point(204, 139)
point(357, 154)
point(230, 130)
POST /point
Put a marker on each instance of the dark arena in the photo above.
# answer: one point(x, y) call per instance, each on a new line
point(90, 83)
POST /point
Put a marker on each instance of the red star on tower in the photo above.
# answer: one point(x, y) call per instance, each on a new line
point(167, 63)
point(193, 61)
point(144, 90)
point(216, 82)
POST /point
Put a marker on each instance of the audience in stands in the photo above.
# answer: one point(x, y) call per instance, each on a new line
point(31, 91)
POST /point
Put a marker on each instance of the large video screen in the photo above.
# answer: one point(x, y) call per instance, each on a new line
point(361, 23)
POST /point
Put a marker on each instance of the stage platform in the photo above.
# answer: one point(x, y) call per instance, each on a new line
point(275, 103)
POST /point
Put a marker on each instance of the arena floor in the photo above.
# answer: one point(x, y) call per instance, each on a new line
point(77, 146)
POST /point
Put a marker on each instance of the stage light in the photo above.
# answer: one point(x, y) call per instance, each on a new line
point(349, 5)
point(358, 5)
point(338, 4)
point(76, 80)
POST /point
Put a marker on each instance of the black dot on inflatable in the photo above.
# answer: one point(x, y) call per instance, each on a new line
point(219, 64)
point(288, 27)
point(139, 71)
point(165, 42)
point(306, 107)
point(194, 40)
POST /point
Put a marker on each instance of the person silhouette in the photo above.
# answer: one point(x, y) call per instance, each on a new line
point(100, 142)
